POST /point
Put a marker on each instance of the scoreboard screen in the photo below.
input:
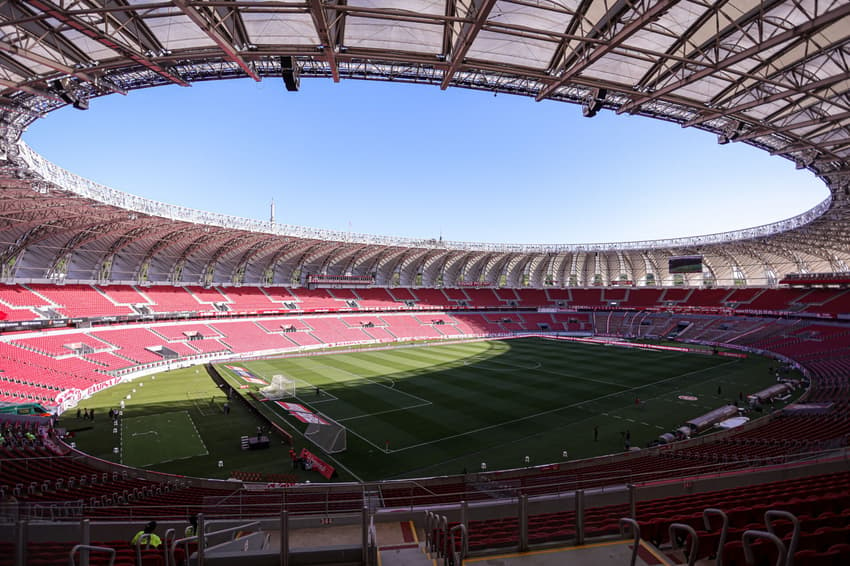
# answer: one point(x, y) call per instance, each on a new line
point(685, 264)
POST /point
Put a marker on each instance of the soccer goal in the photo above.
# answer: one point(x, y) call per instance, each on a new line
point(327, 434)
point(280, 387)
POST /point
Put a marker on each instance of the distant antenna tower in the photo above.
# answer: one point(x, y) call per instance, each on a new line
point(271, 212)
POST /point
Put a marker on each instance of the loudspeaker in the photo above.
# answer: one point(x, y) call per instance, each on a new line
point(290, 74)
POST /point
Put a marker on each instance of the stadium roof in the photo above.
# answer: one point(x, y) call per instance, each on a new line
point(771, 73)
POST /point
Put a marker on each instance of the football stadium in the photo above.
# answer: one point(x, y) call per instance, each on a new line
point(180, 386)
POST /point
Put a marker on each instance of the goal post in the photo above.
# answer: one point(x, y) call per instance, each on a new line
point(280, 387)
point(327, 434)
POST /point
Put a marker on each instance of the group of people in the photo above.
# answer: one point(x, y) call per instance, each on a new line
point(147, 536)
point(15, 435)
point(85, 414)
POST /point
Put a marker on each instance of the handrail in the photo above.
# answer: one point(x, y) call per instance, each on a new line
point(628, 522)
point(458, 556)
point(724, 530)
point(91, 548)
point(770, 517)
point(749, 556)
point(170, 535)
point(694, 550)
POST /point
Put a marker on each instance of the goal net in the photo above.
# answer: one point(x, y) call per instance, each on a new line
point(280, 387)
point(327, 434)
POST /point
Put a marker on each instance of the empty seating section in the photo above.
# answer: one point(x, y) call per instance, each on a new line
point(404, 326)
point(172, 332)
point(821, 504)
point(430, 298)
point(61, 344)
point(15, 301)
point(248, 337)
point(708, 298)
point(37, 371)
point(207, 346)
point(173, 299)
point(455, 295)
point(316, 299)
point(204, 295)
point(343, 294)
point(838, 303)
point(618, 294)
point(16, 315)
point(20, 296)
point(587, 298)
point(302, 339)
point(249, 299)
point(279, 294)
point(381, 334)
point(333, 330)
point(377, 299)
point(18, 301)
point(402, 294)
point(108, 361)
point(507, 295)
point(123, 294)
point(675, 295)
point(484, 298)
point(742, 296)
point(642, 298)
point(280, 325)
point(477, 324)
point(531, 298)
point(775, 300)
point(184, 349)
point(133, 343)
point(558, 295)
point(363, 320)
point(80, 301)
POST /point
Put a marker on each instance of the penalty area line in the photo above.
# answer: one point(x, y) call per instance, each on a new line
point(384, 412)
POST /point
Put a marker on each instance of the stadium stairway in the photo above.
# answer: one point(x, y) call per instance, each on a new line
point(405, 555)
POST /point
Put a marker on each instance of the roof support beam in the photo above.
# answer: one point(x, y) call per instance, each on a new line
point(778, 39)
point(468, 32)
point(575, 24)
point(825, 120)
point(30, 90)
point(735, 89)
point(680, 42)
point(104, 39)
point(588, 59)
point(816, 85)
point(211, 29)
point(323, 30)
point(706, 49)
point(59, 67)
point(837, 145)
point(15, 13)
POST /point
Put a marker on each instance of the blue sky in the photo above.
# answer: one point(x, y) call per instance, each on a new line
point(411, 160)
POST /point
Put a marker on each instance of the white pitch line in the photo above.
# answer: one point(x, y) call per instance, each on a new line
point(384, 412)
point(411, 395)
point(556, 409)
point(561, 374)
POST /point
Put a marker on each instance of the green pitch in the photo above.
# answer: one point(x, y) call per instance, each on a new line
point(154, 439)
point(443, 409)
point(155, 399)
